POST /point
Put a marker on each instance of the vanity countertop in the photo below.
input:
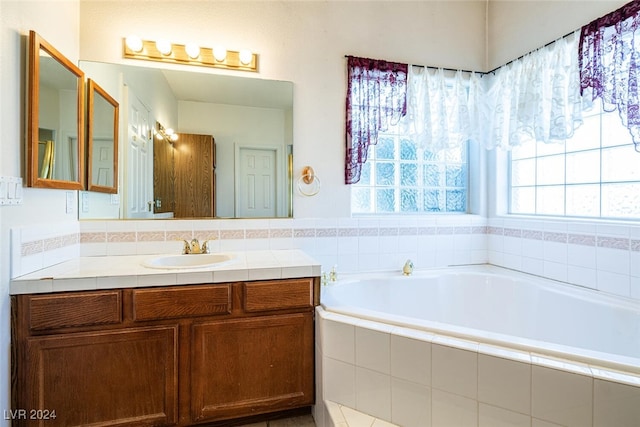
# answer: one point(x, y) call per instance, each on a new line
point(128, 271)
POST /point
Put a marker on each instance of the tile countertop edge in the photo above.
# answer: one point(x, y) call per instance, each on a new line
point(92, 273)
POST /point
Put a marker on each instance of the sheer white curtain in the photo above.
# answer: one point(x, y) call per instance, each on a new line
point(438, 108)
point(534, 97)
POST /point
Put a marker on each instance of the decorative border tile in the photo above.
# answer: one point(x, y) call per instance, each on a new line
point(93, 237)
point(32, 248)
point(347, 232)
point(232, 234)
point(304, 232)
point(582, 239)
point(326, 232)
point(151, 236)
point(555, 237)
point(388, 231)
point(533, 234)
point(256, 234)
point(613, 243)
point(280, 233)
point(121, 236)
point(512, 232)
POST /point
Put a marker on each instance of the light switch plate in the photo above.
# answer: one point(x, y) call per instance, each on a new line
point(70, 202)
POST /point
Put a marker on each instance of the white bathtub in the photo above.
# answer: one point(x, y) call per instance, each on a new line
point(483, 343)
point(495, 305)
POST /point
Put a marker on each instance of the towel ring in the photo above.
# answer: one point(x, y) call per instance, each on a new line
point(308, 178)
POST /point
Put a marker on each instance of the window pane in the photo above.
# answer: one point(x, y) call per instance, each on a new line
point(365, 174)
point(524, 151)
point(409, 201)
point(523, 172)
point(385, 148)
point(583, 167)
point(397, 179)
point(545, 149)
point(523, 200)
point(621, 200)
point(456, 200)
point(408, 174)
point(385, 200)
point(620, 164)
point(361, 200)
point(587, 136)
point(408, 150)
point(430, 156)
point(550, 170)
point(456, 176)
point(550, 200)
point(614, 132)
point(583, 200)
point(385, 173)
point(432, 175)
point(432, 201)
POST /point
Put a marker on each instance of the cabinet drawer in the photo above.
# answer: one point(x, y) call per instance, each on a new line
point(278, 295)
point(183, 301)
point(72, 310)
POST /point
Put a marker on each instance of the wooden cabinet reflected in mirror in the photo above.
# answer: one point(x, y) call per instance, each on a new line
point(184, 176)
point(102, 140)
point(55, 118)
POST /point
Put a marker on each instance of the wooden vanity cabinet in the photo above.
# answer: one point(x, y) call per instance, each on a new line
point(163, 356)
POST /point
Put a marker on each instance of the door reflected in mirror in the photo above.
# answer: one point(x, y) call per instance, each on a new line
point(237, 112)
point(102, 140)
point(55, 131)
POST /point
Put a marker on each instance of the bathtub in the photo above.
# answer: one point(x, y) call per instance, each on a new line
point(481, 316)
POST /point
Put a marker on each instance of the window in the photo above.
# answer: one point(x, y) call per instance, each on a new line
point(594, 174)
point(400, 177)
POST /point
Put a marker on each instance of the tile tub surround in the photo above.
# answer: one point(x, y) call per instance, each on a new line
point(416, 378)
point(127, 271)
point(597, 255)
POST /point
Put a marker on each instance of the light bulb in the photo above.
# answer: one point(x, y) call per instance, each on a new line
point(220, 53)
point(134, 43)
point(164, 47)
point(193, 50)
point(174, 137)
point(245, 56)
point(168, 131)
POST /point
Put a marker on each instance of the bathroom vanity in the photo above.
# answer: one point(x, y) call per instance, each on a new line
point(208, 352)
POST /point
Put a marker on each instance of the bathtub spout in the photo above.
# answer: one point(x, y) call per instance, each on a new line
point(407, 270)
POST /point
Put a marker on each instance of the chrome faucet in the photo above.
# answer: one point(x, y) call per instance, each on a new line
point(407, 270)
point(194, 247)
point(333, 275)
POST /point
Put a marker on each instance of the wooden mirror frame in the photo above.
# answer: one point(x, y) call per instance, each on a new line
point(37, 43)
point(95, 90)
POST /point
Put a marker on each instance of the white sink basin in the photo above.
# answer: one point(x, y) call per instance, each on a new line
point(188, 261)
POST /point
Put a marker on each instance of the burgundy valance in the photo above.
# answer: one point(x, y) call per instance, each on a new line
point(376, 99)
point(609, 64)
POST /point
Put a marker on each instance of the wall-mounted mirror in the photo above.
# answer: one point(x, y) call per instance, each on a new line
point(102, 140)
point(55, 118)
point(244, 115)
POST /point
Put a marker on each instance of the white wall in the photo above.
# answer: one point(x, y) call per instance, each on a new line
point(518, 27)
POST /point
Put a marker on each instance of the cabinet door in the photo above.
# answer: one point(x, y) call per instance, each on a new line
point(116, 378)
point(251, 366)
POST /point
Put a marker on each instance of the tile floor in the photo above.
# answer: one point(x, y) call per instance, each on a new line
point(300, 421)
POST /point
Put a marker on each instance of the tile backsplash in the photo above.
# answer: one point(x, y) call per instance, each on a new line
point(598, 256)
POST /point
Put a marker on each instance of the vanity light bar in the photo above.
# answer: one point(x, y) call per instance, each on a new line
point(149, 51)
